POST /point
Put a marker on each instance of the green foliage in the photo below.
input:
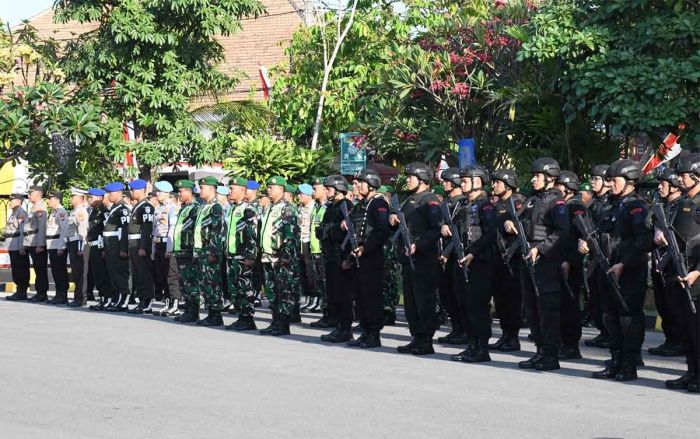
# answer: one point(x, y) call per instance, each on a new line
point(263, 156)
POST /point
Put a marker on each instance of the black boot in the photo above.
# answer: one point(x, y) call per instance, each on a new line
point(530, 364)
point(694, 384)
point(627, 372)
point(679, 383)
point(674, 350)
point(324, 323)
point(120, 305)
point(212, 319)
point(358, 341)
point(341, 334)
point(141, 307)
point(423, 346)
point(77, 301)
point(59, 299)
point(599, 341)
point(389, 317)
point(406, 349)
point(511, 344)
point(479, 354)
point(570, 353)
point(271, 326)
point(548, 362)
point(371, 340)
point(500, 342)
point(282, 327)
point(455, 337)
point(190, 315)
point(244, 323)
point(38, 298)
point(17, 296)
point(611, 368)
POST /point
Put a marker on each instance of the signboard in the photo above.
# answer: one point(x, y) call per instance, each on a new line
point(353, 157)
point(467, 154)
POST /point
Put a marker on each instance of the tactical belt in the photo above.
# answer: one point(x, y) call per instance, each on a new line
point(134, 236)
point(14, 235)
point(74, 238)
point(94, 243)
point(53, 237)
point(30, 232)
point(116, 233)
point(160, 239)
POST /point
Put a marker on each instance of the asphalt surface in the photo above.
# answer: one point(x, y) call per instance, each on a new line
point(79, 374)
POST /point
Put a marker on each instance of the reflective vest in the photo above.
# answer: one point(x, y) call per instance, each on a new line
point(202, 216)
point(316, 218)
point(236, 213)
point(182, 219)
point(271, 239)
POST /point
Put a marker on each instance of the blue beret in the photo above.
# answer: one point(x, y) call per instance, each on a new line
point(222, 190)
point(252, 184)
point(305, 189)
point(117, 186)
point(95, 192)
point(138, 184)
point(163, 186)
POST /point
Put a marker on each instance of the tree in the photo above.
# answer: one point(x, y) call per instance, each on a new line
point(147, 59)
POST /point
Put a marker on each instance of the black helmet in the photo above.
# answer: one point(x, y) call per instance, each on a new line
point(545, 165)
point(371, 177)
point(420, 170)
point(507, 176)
point(688, 163)
point(625, 168)
point(569, 180)
point(451, 175)
point(336, 181)
point(475, 171)
point(669, 175)
point(599, 170)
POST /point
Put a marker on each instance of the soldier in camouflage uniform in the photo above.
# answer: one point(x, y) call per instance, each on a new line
point(241, 252)
point(183, 242)
point(208, 251)
point(279, 238)
point(290, 192)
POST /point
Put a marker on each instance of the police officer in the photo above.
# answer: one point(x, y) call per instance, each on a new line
point(331, 237)
point(546, 220)
point(241, 250)
point(183, 244)
point(364, 264)
point(14, 242)
point(165, 265)
point(56, 228)
point(671, 316)
point(279, 243)
point(631, 239)
point(476, 221)
point(35, 243)
point(507, 295)
point(686, 225)
point(116, 243)
point(208, 251)
point(140, 232)
point(315, 266)
point(98, 267)
point(452, 280)
point(78, 249)
point(392, 271)
point(421, 211)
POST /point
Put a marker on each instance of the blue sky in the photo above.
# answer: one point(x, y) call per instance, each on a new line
point(15, 11)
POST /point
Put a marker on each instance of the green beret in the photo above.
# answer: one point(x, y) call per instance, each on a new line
point(291, 188)
point(317, 181)
point(585, 187)
point(439, 190)
point(209, 181)
point(186, 184)
point(238, 181)
point(277, 181)
point(385, 189)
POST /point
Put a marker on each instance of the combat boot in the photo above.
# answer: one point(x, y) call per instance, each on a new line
point(324, 323)
point(39, 298)
point(212, 319)
point(599, 341)
point(358, 341)
point(548, 362)
point(569, 353)
point(17, 296)
point(271, 327)
point(511, 344)
point(627, 372)
point(389, 317)
point(611, 368)
point(478, 354)
point(77, 301)
point(455, 337)
point(59, 299)
point(244, 323)
point(694, 384)
point(282, 327)
point(341, 334)
point(530, 364)
point(423, 346)
point(500, 342)
point(406, 349)
point(372, 340)
point(679, 383)
point(191, 313)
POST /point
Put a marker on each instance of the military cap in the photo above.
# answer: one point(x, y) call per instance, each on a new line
point(252, 185)
point(116, 186)
point(56, 194)
point(222, 190)
point(585, 187)
point(439, 190)
point(17, 196)
point(163, 186)
point(277, 181)
point(238, 181)
point(306, 189)
point(96, 192)
point(291, 188)
point(184, 184)
point(208, 181)
point(138, 184)
point(77, 191)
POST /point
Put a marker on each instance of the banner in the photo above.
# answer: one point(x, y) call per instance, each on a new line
point(467, 153)
point(353, 155)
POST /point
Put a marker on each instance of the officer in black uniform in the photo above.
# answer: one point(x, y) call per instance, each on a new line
point(686, 225)
point(476, 221)
point(364, 265)
point(597, 282)
point(97, 263)
point(671, 316)
point(545, 221)
point(423, 220)
point(331, 237)
point(140, 232)
point(507, 295)
point(116, 247)
point(626, 223)
point(452, 280)
point(572, 270)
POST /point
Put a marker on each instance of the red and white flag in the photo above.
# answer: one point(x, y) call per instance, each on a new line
point(265, 80)
point(668, 149)
point(129, 156)
point(442, 165)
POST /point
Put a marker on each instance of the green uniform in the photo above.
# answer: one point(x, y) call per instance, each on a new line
point(208, 242)
point(241, 245)
point(392, 270)
point(183, 243)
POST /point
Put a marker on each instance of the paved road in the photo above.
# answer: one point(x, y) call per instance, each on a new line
point(80, 374)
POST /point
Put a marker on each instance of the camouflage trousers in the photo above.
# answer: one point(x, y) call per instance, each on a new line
point(188, 279)
point(390, 288)
point(281, 287)
point(318, 266)
point(240, 286)
point(209, 282)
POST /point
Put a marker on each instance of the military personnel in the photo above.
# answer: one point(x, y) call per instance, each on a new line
point(251, 194)
point(507, 295)
point(392, 271)
point(279, 242)
point(306, 205)
point(315, 268)
point(166, 270)
point(452, 281)
point(423, 220)
point(625, 222)
point(116, 247)
point(208, 251)
point(476, 221)
point(78, 249)
point(14, 242)
point(56, 234)
point(100, 208)
point(364, 264)
point(183, 244)
point(688, 230)
point(331, 237)
point(671, 316)
point(140, 232)
point(290, 192)
point(241, 250)
point(597, 283)
point(546, 220)
point(35, 243)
